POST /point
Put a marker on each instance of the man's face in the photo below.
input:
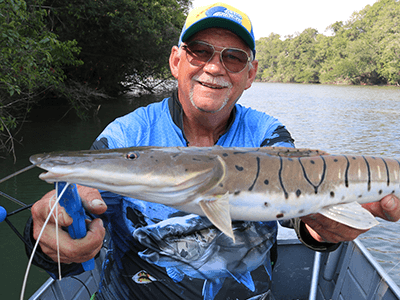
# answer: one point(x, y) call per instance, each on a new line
point(211, 88)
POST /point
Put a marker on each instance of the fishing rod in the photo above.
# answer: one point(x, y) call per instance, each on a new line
point(3, 212)
point(18, 172)
point(70, 200)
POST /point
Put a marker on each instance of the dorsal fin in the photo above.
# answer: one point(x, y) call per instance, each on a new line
point(292, 152)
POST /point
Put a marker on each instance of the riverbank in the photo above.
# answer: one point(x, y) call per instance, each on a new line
point(343, 82)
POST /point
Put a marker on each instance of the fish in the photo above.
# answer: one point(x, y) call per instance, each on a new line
point(189, 246)
point(235, 183)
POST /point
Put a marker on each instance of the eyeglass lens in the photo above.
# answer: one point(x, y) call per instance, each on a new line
point(199, 53)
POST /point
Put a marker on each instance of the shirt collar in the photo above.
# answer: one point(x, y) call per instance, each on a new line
point(176, 111)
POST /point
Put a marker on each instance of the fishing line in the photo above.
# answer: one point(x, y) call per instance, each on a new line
point(12, 199)
point(27, 206)
point(18, 172)
point(56, 223)
point(37, 242)
point(7, 220)
point(57, 239)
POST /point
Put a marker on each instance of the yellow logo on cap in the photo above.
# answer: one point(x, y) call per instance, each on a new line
point(201, 12)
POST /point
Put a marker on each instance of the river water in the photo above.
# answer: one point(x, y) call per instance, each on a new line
point(337, 119)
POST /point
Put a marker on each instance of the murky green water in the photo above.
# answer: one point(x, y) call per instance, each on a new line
point(338, 119)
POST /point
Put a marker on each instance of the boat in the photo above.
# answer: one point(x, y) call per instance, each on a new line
point(349, 272)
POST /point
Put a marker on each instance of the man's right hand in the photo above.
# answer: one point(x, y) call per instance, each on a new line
point(71, 251)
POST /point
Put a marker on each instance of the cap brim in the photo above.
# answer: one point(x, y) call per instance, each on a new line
point(215, 22)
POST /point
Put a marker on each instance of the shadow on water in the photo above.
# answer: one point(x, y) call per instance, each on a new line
point(46, 130)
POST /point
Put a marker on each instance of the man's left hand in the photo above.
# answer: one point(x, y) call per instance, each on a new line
point(323, 229)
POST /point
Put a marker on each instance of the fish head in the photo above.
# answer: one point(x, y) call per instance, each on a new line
point(145, 173)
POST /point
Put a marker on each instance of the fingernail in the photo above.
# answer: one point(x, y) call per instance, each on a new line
point(61, 218)
point(390, 204)
point(97, 203)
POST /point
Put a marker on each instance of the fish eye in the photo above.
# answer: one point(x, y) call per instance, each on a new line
point(132, 156)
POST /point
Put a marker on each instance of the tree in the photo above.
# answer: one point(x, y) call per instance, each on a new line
point(268, 50)
point(121, 40)
point(31, 62)
point(363, 50)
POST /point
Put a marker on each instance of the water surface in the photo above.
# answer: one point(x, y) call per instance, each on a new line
point(337, 119)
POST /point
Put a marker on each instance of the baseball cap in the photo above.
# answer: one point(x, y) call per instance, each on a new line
point(219, 15)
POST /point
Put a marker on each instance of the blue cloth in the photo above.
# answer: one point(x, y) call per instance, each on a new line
point(158, 252)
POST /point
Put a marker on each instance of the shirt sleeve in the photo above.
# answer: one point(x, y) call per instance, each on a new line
point(279, 138)
point(305, 237)
point(43, 261)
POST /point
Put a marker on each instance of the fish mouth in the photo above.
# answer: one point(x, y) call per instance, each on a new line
point(46, 176)
point(53, 167)
point(45, 161)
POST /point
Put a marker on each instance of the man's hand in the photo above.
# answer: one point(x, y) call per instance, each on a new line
point(323, 229)
point(79, 250)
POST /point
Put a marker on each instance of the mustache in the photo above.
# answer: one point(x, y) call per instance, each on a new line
point(218, 81)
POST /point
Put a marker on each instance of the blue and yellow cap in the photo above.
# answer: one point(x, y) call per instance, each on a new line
point(219, 15)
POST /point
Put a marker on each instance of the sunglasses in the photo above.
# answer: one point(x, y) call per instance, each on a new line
point(199, 53)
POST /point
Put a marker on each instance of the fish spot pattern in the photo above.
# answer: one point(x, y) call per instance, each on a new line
point(368, 172)
point(281, 179)
point(257, 174)
point(316, 186)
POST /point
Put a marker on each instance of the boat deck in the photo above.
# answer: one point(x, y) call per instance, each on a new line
point(350, 273)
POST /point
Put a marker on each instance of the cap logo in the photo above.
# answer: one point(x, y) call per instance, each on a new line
point(219, 15)
point(219, 11)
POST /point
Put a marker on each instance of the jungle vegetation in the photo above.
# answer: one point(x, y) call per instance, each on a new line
point(79, 51)
point(363, 50)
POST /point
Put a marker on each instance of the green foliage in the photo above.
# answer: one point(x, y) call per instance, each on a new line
point(119, 38)
point(363, 50)
point(80, 50)
point(31, 62)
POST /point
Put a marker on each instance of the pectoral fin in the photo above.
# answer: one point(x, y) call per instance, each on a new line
point(351, 214)
point(217, 211)
point(212, 287)
point(246, 280)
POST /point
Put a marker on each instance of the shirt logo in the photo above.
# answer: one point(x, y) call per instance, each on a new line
point(142, 277)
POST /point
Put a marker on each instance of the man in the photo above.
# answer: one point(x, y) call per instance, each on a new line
point(157, 252)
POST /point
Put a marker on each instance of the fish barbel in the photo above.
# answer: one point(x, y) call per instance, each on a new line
point(225, 184)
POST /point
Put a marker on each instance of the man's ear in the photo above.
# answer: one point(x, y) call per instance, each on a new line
point(252, 74)
point(174, 59)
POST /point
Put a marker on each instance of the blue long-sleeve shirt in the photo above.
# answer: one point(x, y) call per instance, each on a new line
point(158, 252)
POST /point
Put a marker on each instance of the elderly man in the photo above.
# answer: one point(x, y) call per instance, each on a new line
point(157, 252)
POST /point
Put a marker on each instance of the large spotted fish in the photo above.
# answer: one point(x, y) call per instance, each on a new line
point(225, 184)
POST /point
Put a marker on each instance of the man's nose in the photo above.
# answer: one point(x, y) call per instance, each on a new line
point(214, 65)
